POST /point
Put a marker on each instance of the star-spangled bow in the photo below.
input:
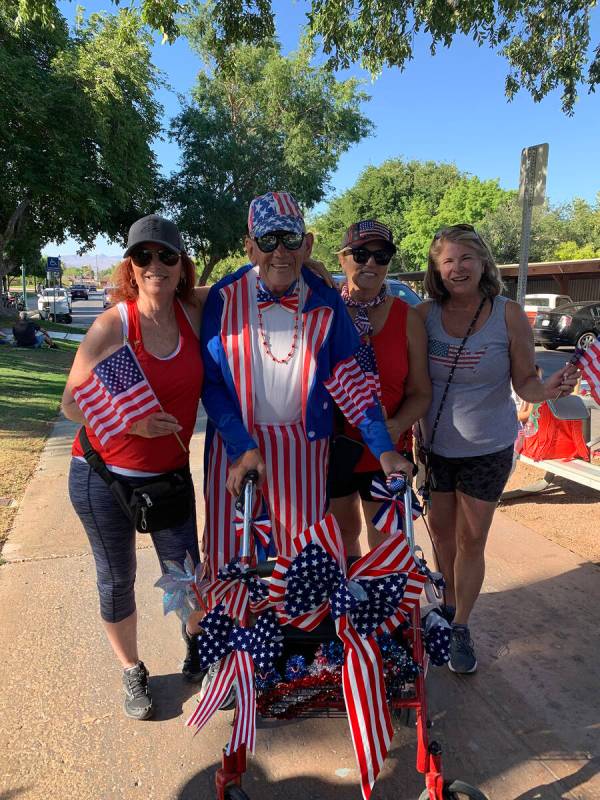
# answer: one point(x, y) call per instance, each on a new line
point(374, 597)
point(239, 650)
point(261, 527)
point(266, 298)
point(183, 586)
point(437, 635)
point(390, 517)
point(238, 591)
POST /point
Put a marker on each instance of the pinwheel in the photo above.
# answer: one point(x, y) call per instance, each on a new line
point(374, 597)
point(183, 587)
point(239, 650)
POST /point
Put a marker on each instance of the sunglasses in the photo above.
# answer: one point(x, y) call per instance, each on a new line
point(361, 255)
point(141, 258)
point(463, 226)
point(269, 242)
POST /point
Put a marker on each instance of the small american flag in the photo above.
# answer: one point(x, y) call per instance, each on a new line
point(351, 390)
point(444, 353)
point(116, 393)
point(589, 364)
point(367, 362)
point(370, 226)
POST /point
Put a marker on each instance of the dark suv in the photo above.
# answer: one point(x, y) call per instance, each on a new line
point(573, 325)
point(79, 292)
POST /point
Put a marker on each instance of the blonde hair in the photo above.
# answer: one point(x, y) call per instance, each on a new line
point(490, 283)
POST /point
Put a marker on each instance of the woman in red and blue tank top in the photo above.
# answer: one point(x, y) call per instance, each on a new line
point(394, 350)
point(158, 315)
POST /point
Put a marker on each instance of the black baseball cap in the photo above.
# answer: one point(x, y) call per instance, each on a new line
point(368, 230)
point(155, 229)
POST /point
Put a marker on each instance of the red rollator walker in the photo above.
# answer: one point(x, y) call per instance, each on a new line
point(315, 693)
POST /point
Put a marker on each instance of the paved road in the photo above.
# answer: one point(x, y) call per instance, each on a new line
point(525, 727)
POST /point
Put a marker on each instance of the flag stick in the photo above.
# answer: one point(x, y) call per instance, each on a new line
point(573, 360)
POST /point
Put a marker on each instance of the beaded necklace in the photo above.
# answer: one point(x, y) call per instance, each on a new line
point(263, 334)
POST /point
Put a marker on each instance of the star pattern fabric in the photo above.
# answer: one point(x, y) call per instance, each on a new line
point(263, 641)
point(437, 635)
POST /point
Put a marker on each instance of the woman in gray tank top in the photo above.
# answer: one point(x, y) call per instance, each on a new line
point(472, 441)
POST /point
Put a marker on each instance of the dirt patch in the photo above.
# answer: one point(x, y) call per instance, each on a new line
point(568, 513)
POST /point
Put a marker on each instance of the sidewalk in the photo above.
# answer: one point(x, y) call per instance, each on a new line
point(525, 727)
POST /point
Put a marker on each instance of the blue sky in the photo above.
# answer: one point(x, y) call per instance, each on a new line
point(450, 107)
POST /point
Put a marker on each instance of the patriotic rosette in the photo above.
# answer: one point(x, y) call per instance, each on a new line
point(373, 597)
point(239, 650)
point(237, 591)
point(390, 517)
point(261, 528)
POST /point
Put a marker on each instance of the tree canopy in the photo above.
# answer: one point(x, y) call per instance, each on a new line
point(77, 117)
point(415, 199)
point(546, 43)
point(258, 122)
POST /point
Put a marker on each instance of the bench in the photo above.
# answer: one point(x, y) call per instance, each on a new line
point(576, 470)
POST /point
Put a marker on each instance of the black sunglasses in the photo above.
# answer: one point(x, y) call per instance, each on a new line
point(361, 255)
point(462, 226)
point(269, 242)
point(141, 258)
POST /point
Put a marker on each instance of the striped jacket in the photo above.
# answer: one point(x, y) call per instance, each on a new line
point(329, 342)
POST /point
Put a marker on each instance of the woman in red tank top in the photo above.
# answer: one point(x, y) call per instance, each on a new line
point(394, 346)
point(159, 317)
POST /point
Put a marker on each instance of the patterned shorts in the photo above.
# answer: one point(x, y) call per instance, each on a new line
point(482, 477)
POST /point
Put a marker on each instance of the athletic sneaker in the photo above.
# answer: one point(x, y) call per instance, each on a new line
point(191, 669)
point(138, 701)
point(462, 653)
point(229, 701)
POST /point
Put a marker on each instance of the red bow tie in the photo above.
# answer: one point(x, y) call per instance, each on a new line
point(290, 303)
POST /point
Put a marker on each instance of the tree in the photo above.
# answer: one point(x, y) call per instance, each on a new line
point(385, 193)
point(256, 122)
point(546, 42)
point(571, 251)
point(468, 201)
point(77, 116)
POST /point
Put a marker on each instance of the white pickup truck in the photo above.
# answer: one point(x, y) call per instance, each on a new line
point(543, 302)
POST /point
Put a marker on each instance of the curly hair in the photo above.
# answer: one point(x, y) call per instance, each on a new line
point(126, 289)
point(490, 283)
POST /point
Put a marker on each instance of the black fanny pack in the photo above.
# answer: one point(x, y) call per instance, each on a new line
point(165, 501)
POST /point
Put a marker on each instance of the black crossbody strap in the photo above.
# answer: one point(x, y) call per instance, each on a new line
point(93, 458)
point(452, 370)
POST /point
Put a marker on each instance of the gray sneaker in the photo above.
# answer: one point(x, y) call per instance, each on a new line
point(462, 653)
point(229, 701)
point(138, 701)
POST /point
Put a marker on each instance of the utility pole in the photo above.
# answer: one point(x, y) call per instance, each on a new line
point(532, 189)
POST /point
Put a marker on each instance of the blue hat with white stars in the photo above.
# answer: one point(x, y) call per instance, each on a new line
point(274, 211)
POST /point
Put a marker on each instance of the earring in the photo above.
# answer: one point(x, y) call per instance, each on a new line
point(132, 282)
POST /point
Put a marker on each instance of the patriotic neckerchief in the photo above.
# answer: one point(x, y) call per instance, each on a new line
point(361, 321)
point(266, 298)
point(366, 352)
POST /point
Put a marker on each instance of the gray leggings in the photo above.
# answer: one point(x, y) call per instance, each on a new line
point(112, 538)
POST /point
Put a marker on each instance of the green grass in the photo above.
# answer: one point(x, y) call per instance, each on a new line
point(31, 387)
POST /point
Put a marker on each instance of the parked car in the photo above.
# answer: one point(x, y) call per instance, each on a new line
point(92, 288)
point(79, 292)
point(54, 304)
point(535, 303)
point(106, 296)
point(573, 325)
point(394, 287)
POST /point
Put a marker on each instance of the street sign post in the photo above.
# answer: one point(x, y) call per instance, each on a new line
point(52, 270)
point(532, 190)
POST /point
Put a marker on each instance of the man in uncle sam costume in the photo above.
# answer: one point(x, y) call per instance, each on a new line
point(279, 348)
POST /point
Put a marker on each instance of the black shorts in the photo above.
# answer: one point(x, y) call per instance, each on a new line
point(356, 482)
point(482, 477)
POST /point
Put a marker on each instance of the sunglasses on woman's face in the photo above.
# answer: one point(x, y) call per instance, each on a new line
point(141, 258)
point(269, 242)
point(361, 255)
point(463, 226)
